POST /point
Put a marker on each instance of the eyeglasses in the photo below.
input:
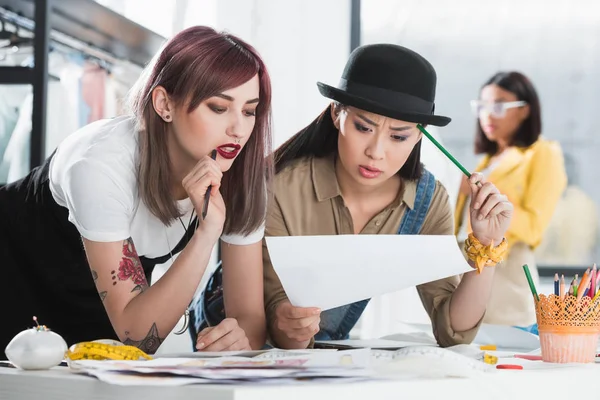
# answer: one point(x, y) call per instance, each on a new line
point(497, 110)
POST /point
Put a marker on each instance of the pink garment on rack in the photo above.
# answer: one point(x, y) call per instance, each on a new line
point(93, 82)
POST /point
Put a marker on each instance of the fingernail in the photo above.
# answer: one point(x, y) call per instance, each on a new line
point(316, 312)
point(199, 345)
point(476, 206)
point(480, 217)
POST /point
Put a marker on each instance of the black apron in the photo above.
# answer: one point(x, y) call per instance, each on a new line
point(44, 269)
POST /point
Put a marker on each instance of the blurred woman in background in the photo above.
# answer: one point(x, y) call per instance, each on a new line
point(530, 171)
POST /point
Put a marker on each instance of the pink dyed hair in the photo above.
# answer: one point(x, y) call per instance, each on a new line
point(197, 64)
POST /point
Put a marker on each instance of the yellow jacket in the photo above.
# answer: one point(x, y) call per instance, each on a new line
point(534, 179)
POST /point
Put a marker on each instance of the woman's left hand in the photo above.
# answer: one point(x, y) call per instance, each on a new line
point(227, 336)
point(490, 211)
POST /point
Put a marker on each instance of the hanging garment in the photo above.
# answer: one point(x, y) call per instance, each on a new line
point(93, 81)
point(11, 100)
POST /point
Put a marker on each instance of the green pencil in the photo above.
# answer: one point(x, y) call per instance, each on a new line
point(530, 281)
point(443, 150)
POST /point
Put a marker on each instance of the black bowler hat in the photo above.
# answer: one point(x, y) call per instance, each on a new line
point(389, 80)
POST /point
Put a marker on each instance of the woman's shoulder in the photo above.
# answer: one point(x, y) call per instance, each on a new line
point(545, 146)
point(101, 154)
point(296, 173)
point(111, 143)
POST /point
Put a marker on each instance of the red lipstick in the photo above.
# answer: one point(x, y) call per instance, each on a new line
point(229, 150)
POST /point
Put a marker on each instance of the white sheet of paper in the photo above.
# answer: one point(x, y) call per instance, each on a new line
point(507, 338)
point(334, 270)
point(378, 344)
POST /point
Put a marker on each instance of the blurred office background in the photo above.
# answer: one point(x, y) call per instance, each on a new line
point(65, 63)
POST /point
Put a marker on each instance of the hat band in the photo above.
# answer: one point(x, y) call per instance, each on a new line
point(401, 101)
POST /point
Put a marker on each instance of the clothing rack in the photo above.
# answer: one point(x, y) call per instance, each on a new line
point(81, 25)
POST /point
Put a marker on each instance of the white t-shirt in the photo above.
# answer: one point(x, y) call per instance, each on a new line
point(93, 175)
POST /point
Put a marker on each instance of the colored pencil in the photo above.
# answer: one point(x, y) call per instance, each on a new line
point(530, 281)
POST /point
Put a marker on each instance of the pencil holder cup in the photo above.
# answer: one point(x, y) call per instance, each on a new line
point(568, 328)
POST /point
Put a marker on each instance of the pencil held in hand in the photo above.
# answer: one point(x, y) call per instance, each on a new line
point(213, 155)
point(446, 152)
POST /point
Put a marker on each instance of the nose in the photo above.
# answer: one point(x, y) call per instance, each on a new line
point(375, 149)
point(235, 129)
point(485, 117)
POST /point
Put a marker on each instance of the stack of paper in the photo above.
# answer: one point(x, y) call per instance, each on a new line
point(267, 368)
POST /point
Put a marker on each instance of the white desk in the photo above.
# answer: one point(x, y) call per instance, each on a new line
point(60, 384)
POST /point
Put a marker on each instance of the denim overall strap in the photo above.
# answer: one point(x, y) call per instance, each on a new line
point(337, 322)
point(413, 219)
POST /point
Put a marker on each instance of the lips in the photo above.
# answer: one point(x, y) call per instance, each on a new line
point(368, 171)
point(229, 150)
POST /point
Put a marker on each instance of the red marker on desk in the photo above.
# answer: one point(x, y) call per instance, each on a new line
point(509, 366)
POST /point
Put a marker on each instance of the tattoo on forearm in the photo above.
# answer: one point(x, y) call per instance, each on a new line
point(130, 267)
point(149, 344)
point(95, 277)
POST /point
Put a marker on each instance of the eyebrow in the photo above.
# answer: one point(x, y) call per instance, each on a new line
point(497, 100)
point(397, 129)
point(229, 98)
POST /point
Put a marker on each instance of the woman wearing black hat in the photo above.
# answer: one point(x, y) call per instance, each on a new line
point(356, 169)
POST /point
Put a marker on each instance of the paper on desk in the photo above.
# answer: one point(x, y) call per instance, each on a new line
point(120, 379)
point(507, 338)
point(342, 365)
point(430, 362)
point(334, 270)
point(377, 344)
point(213, 354)
point(267, 353)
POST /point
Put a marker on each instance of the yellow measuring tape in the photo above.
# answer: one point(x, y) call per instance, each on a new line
point(105, 350)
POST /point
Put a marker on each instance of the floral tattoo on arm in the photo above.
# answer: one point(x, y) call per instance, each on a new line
point(130, 268)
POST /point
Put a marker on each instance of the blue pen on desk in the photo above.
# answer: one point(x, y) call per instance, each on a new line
point(556, 292)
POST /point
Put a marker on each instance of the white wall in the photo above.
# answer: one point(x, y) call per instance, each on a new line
point(301, 41)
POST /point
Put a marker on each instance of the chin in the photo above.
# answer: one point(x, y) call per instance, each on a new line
point(490, 136)
point(225, 164)
point(369, 181)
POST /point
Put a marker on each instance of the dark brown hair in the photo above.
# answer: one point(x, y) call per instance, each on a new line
point(320, 138)
point(529, 131)
point(196, 64)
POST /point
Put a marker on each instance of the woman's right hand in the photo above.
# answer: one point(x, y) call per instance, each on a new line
point(465, 188)
point(207, 172)
point(297, 323)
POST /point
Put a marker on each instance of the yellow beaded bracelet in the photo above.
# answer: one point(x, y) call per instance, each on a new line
point(485, 256)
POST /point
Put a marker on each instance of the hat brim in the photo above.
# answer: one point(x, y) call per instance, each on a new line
point(368, 105)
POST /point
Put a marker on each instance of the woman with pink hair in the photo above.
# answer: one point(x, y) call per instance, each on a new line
point(82, 233)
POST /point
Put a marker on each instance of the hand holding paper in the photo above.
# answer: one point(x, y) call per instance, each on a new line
point(298, 323)
point(334, 270)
